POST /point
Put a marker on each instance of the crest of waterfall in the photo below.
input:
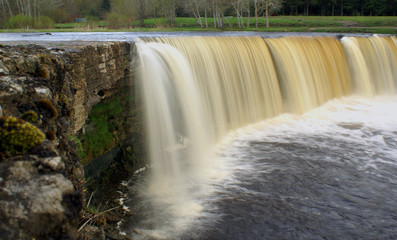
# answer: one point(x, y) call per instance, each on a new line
point(236, 78)
point(373, 64)
point(311, 70)
point(197, 89)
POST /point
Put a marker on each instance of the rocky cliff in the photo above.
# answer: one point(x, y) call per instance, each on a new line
point(51, 90)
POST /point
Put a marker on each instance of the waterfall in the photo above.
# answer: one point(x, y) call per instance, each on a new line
point(197, 89)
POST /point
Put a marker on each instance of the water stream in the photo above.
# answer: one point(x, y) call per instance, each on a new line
point(279, 138)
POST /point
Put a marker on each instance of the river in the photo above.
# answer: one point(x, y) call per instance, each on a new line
point(288, 138)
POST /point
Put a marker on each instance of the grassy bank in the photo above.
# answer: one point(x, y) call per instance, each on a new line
point(385, 25)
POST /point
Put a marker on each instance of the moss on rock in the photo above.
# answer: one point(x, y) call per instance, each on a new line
point(18, 136)
point(48, 107)
point(30, 116)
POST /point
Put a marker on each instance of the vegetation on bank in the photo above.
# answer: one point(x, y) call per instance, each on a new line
point(199, 15)
point(104, 127)
point(375, 24)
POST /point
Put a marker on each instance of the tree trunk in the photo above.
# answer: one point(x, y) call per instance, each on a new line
point(4, 9)
point(256, 13)
point(9, 8)
point(341, 8)
point(205, 12)
point(307, 9)
point(267, 13)
point(249, 15)
point(214, 13)
point(154, 12)
point(19, 8)
point(198, 14)
point(141, 13)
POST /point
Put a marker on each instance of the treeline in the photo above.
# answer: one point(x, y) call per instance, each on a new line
point(340, 7)
point(121, 13)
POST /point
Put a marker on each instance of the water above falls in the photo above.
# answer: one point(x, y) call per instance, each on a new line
point(241, 149)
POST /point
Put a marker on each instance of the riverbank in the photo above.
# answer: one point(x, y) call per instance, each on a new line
point(328, 24)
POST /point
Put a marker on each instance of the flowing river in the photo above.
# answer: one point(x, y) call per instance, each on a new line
point(262, 136)
point(279, 138)
point(330, 173)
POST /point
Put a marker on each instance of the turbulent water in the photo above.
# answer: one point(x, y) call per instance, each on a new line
point(284, 138)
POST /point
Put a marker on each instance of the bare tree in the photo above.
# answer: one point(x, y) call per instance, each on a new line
point(256, 12)
point(195, 7)
point(168, 8)
point(141, 13)
point(270, 6)
point(218, 10)
point(241, 6)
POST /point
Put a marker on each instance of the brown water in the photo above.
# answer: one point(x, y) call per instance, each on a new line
point(326, 174)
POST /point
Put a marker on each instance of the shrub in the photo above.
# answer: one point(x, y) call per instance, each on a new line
point(23, 21)
point(20, 21)
point(18, 136)
point(115, 20)
point(59, 15)
point(43, 22)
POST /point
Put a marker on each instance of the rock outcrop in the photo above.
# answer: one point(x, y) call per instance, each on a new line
point(54, 87)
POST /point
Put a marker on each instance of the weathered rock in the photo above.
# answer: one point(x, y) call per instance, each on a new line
point(114, 236)
point(54, 163)
point(43, 92)
point(112, 217)
point(42, 192)
point(11, 85)
point(31, 203)
point(3, 68)
point(91, 233)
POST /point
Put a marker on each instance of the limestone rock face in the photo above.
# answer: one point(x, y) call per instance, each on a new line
point(42, 191)
point(35, 200)
point(95, 69)
point(81, 74)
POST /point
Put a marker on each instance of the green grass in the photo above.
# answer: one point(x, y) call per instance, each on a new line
point(386, 25)
point(104, 120)
point(358, 30)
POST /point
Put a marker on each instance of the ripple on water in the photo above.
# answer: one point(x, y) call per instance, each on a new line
point(328, 174)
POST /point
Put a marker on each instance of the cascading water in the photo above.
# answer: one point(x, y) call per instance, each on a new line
point(207, 175)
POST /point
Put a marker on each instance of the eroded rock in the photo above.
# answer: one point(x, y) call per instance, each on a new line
point(32, 203)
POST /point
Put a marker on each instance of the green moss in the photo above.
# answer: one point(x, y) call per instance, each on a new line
point(18, 136)
point(78, 146)
point(100, 220)
point(30, 116)
point(105, 117)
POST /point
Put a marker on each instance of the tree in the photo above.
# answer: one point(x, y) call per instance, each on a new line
point(168, 8)
point(241, 6)
point(195, 7)
point(105, 7)
point(141, 13)
point(218, 12)
point(270, 6)
point(256, 12)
